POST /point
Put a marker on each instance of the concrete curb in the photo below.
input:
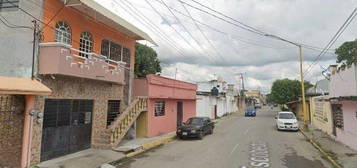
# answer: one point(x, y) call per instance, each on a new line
point(151, 145)
point(328, 157)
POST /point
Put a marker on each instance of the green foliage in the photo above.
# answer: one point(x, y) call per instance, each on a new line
point(146, 61)
point(347, 52)
point(286, 90)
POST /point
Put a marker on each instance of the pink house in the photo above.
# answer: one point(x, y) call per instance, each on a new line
point(343, 98)
point(170, 102)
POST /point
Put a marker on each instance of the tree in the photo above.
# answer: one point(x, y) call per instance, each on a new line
point(347, 52)
point(286, 90)
point(146, 61)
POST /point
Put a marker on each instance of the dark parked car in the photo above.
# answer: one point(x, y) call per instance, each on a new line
point(195, 127)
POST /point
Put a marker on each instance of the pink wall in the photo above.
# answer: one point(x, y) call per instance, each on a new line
point(158, 125)
point(171, 91)
point(140, 87)
point(348, 135)
point(343, 83)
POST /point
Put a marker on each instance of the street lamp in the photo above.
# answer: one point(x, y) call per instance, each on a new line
point(301, 72)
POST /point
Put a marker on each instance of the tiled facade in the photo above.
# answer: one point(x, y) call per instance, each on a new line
point(11, 127)
point(76, 88)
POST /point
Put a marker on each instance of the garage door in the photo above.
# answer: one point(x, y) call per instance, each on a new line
point(67, 127)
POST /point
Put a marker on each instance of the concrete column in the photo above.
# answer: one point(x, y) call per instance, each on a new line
point(26, 137)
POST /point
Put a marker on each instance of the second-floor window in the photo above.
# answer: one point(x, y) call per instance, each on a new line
point(126, 56)
point(85, 44)
point(9, 5)
point(112, 50)
point(63, 32)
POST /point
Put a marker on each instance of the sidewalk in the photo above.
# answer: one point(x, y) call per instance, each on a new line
point(339, 152)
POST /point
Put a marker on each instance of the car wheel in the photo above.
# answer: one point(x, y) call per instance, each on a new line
point(210, 131)
point(200, 136)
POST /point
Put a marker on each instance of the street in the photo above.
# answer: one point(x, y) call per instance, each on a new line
point(237, 142)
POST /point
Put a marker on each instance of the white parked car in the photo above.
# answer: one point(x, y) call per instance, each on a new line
point(286, 120)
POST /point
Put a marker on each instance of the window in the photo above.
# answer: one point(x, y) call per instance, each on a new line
point(63, 32)
point(85, 44)
point(9, 5)
point(113, 110)
point(126, 56)
point(337, 115)
point(112, 50)
point(159, 108)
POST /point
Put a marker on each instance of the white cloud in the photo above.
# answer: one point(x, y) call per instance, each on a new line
point(305, 21)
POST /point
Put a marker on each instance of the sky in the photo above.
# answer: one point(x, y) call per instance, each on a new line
point(213, 48)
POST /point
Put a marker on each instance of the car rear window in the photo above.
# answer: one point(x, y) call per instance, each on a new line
point(195, 121)
point(287, 116)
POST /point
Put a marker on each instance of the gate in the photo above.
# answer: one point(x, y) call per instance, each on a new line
point(67, 127)
point(11, 129)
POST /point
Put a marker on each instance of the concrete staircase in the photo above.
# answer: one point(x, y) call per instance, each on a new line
point(120, 126)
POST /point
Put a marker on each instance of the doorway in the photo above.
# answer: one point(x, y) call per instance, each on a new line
point(179, 113)
point(67, 127)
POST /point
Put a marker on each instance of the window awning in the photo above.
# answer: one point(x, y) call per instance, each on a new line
point(22, 86)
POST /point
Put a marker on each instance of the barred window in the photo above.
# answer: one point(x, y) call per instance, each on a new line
point(159, 108)
point(337, 115)
point(112, 50)
point(85, 43)
point(126, 56)
point(113, 110)
point(9, 5)
point(63, 32)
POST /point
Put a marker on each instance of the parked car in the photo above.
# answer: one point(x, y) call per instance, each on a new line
point(258, 105)
point(195, 127)
point(286, 120)
point(250, 112)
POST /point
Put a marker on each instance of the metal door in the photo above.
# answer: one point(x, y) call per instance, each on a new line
point(179, 113)
point(66, 127)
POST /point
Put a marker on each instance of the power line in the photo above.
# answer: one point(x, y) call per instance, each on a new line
point(200, 30)
point(152, 28)
point(333, 39)
point(241, 24)
point(12, 26)
point(184, 27)
point(179, 34)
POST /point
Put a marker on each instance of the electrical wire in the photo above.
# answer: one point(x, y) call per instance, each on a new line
point(333, 40)
point(177, 32)
point(156, 28)
point(134, 14)
point(12, 26)
point(200, 30)
point(185, 29)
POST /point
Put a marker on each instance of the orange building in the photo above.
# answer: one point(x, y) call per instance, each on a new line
point(86, 57)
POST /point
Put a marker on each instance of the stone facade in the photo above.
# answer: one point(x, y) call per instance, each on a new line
point(77, 88)
point(11, 129)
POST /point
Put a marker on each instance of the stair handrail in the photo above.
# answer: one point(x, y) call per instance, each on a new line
point(135, 105)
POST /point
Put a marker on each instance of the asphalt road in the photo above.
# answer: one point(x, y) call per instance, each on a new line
point(237, 142)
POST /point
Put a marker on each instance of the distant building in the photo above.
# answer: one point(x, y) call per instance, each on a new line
point(216, 98)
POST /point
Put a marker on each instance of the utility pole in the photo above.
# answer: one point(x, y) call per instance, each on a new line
point(301, 73)
point(34, 49)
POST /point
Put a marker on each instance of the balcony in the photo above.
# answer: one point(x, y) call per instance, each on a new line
point(61, 59)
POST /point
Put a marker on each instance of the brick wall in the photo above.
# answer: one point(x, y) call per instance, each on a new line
point(77, 88)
